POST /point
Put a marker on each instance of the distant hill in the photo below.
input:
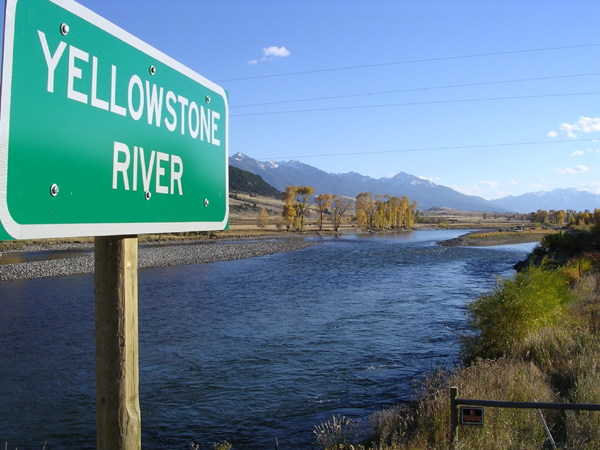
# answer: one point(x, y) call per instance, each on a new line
point(426, 193)
point(244, 181)
point(557, 199)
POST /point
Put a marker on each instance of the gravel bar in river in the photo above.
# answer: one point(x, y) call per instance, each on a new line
point(154, 256)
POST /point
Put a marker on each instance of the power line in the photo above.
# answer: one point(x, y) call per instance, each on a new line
point(457, 147)
point(483, 83)
point(434, 102)
point(414, 61)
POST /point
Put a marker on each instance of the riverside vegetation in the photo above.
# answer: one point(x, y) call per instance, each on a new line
point(533, 336)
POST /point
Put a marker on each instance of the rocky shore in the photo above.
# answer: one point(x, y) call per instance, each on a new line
point(81, 261)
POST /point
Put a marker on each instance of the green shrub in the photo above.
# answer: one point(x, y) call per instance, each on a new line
point(570, 243)
point(514, 308)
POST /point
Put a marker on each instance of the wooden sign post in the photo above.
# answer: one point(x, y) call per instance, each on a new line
point(117, 369)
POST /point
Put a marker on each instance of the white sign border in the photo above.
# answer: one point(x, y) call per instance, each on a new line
point(19, 231)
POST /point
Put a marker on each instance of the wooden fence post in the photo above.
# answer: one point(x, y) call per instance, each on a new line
point(453, 416)
point(117, 370)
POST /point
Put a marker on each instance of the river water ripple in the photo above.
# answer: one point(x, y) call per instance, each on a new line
point(246, 351)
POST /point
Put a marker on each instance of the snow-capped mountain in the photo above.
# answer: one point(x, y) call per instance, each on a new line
point(427, 194)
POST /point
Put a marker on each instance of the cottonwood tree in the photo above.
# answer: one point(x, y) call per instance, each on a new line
point(411, 214)
point(365, 210)
point(339, 208)
point(381, 217)
point(540, 216)
point(322, 201)
point(290, 211)
point(296, 201)
point(303, 194)
point(263, 219)
point(385, 212)
point(557, 217)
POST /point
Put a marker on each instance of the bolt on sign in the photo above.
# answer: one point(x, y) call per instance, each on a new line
point(101, 134)
point(471, 416)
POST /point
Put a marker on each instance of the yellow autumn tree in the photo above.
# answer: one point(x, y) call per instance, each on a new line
point(289, 206)
point(303, 194)
point(296, 202)
point(322, 201)
point(365, 210)
point(263, 219)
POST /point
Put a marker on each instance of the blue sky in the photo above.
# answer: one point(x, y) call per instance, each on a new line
point(422, 87)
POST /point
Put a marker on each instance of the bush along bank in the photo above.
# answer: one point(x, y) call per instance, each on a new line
point(533, 336)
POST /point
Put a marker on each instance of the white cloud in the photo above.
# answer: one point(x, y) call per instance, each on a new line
point(568, 128)
point(577, 152)
point(514, 182)
point(276, 52)
point(271, 53)
point(583, 125)
point(593, 187)
point(432, 179)
point(573, 170)
point(490, 184)
point(588, 125)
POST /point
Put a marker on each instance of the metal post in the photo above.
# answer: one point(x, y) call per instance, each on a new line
point(453, 416)
point(546, 429)
point(117, 371)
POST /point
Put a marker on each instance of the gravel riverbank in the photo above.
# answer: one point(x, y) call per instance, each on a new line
point(161, 255)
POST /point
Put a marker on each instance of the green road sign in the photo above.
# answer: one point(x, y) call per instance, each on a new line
point(101, 134)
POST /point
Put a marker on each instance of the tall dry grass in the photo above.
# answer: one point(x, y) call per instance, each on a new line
point(428, 425)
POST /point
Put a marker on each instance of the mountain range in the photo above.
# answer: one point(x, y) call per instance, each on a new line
point(557, 199)
point(427, 194)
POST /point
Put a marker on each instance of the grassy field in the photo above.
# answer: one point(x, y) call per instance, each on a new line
point(496, 237)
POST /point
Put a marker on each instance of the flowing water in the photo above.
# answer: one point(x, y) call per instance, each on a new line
point(247, 351)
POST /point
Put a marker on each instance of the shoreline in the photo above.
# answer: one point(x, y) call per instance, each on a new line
point(150, 255)
point(171, 251)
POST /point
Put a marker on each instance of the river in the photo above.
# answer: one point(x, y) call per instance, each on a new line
point(247, 351)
